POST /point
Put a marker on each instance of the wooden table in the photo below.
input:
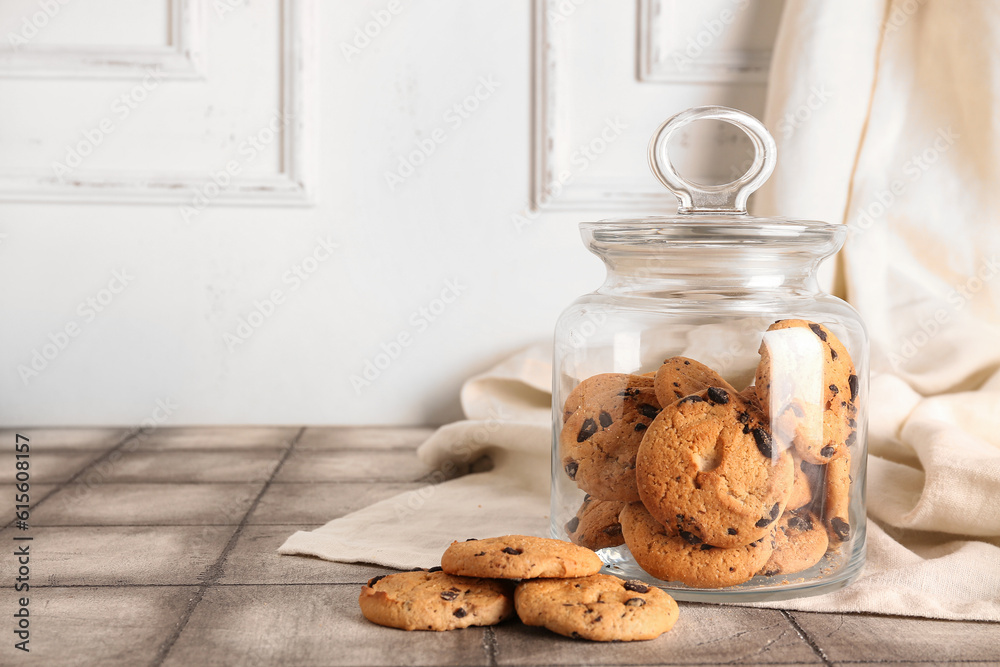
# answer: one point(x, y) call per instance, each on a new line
point(158, 548)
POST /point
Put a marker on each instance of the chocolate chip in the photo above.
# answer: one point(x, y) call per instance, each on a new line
point(375, 580)
point(436, 568)
point(827, 451)
point(851, 438)
point(634, 602)
point(571, 469)
point(833, 354)
point(572, 524)
point(472, 539)
point(690, 538)
point(597, 620)
point(605, 419)
point(588, 429)
point(691, 399)
point(768, 519)
point(647, 410)
point(449, 595)
point(631, 392)
point(636, 586)
point(512, 551)
point(677, 384)
point(746, 429)
point(481, 553)
point(587, 497)
point(853, 383)
point(640, 427)
point(771, 573)
point(706, 547)
point(763, 440)
point(841, 528)
point(575, 635)
point(718, 396)
point(816, 329)
point(687, 363)
point(613, 530)
point(732, 569)
point(802, 523)
point(460, 613)
point(732, 531)
point(743, 417)
point(833, 388)
point(852, 423)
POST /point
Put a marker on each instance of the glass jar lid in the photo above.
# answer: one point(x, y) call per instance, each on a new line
point(714, 215)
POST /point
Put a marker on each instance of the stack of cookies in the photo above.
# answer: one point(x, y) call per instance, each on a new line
point(557, 587)
point(710, 486)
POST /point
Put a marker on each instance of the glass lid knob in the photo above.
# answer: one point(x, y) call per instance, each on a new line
point(728, 199)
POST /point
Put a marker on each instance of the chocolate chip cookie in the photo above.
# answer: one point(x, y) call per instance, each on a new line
point(519, 557)
point(679, 377)
point(600, 608)
point(665, 554)
point(596, 525)
point(434, 601)
point(807, 386)
point(800, 541)
point(837, 499)
point(599, 440)
point(709, 469)
point(592, 390)
point(802, 486)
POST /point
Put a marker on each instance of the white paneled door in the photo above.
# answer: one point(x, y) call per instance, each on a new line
point(298, 211)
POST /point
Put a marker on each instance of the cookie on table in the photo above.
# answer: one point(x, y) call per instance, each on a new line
point(596, 525)
point(519, 557)
point(708, 468)
point(820, 429)
point(426, 600)
point(679, 377)
point(592, 391)
point(837, 499)
point(800, 542)
point(599, 441)
point(600, 608)
point(663, 553)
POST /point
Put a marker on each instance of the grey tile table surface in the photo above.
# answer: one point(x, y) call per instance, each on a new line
point(159, 548)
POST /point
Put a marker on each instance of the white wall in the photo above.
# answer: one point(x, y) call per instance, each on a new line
point(193, 274)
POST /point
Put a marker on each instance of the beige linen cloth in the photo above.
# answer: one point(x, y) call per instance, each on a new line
point(886, 118)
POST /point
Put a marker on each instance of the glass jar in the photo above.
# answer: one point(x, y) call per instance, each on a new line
point(710, 400)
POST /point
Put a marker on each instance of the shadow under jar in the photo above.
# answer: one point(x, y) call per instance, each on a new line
point(710, 400)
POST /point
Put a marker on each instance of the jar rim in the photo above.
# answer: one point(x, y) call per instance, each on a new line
point(713, 230)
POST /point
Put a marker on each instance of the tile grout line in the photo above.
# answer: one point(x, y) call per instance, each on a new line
point(214, 571)
point(59, 486)
point(490, 646)
point(805, 637)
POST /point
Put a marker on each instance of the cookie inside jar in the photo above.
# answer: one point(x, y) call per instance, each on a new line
point(755, 482)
